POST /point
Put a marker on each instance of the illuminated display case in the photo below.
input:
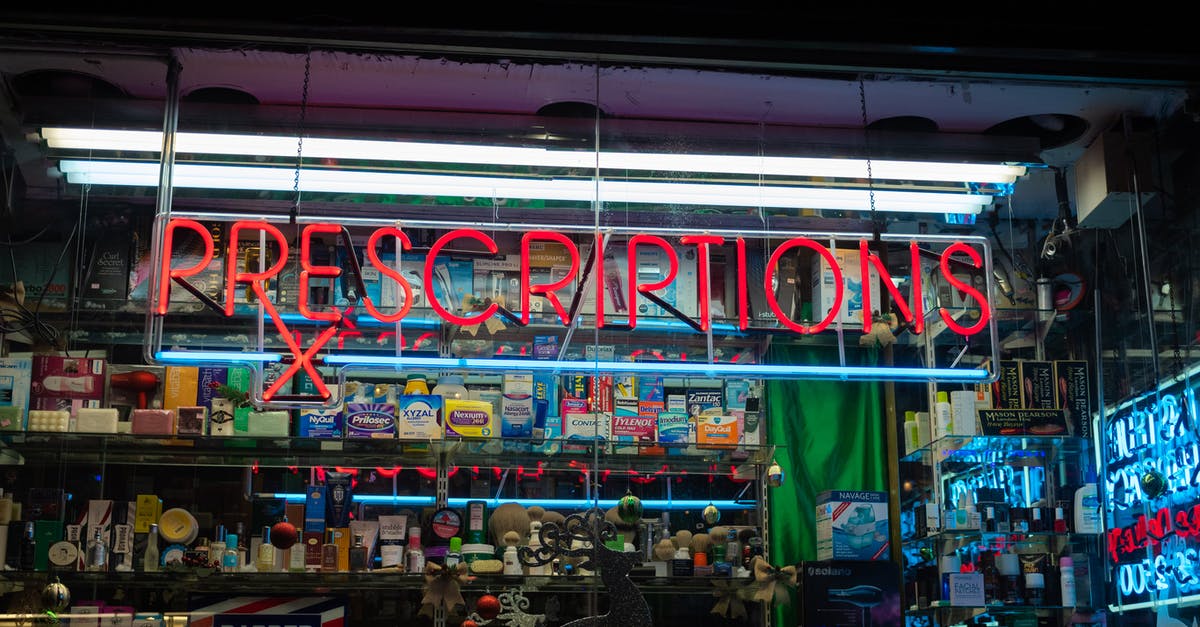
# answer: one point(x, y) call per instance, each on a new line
point(1001, 529)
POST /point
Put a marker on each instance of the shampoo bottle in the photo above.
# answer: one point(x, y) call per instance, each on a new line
point(943, 418)
point(1087, 507)
point(912, 432)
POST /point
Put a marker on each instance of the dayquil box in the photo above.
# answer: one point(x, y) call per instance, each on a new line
point(716, 430)
point(468, 419)
point(370, 420)
point(420, 417)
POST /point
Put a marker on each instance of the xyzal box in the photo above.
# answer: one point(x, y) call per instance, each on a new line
point(852, 525)
point(420, 417)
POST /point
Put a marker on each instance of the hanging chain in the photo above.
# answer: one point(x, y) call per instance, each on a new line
point(862, 101)
point(1170, 289)
point(300, 135)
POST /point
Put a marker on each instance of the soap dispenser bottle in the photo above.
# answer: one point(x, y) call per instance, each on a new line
point(1087, 506)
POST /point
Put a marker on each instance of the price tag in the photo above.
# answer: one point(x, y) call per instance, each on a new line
point(966, 590)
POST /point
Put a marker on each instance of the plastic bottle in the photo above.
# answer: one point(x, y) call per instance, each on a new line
point(415, 384)
point(414, 559)
point(912, 432)
point(1066, 570)
point(943, 417)
point(450, 386)
point(924, 432)
point(951, 564)
point(454, 554)
point(512, 565)
point(1087, 507)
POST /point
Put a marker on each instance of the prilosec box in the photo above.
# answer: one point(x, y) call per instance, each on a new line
point(370, 420)
point(852, 525)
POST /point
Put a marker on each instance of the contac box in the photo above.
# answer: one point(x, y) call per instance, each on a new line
point(852, 525)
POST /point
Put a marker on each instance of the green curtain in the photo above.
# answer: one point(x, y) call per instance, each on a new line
point(830, 436)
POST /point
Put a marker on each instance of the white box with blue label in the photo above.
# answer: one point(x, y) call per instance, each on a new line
point(852, 525)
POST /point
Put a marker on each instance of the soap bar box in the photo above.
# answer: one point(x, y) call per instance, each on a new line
point(852, 525)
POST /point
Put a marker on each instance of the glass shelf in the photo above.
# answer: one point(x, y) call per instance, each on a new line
point(993, 538)
point(81, 448)
point(212, 581)
point(970, 449)
point(992, 609)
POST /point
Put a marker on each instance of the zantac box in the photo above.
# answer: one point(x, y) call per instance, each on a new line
point(852, 525)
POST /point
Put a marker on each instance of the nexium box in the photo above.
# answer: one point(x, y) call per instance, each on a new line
point(852, 525)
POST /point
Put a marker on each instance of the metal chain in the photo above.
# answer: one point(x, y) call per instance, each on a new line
point(1174, 326)
point(300, 134)
point(862, 101)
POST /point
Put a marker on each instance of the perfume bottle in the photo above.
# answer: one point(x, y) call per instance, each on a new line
point(151, 558)
point(358, 555)
point(231, 559)
point(240, 545)
point(97, 553)
point(266, 553)
point(216, 550)
point(329, 554)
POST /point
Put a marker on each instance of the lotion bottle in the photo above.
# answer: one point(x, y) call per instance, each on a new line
point(1087, 507)
point(943, 418)
point(1066, 570)
point(266, 553)
point(912, 432)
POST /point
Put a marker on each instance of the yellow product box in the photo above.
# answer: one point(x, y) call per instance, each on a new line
point(181, 387)
point(341, 537)
point(469, 419)
point(715, 430)
point(146, 512)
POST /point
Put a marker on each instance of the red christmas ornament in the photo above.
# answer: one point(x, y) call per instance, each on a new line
point(469, 623)
point(284, 535)
point(488, 606)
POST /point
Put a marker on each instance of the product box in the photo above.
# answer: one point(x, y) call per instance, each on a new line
point(181, 387)
point(698, 401)
point(393, 538)
point(516, 406)
point(45, 504)
point(587, 426)
point(468, 419)
point(132, 386)
point(16, 373)
point(68, 377)
point(717, 430)
point(147, 509)
point(630, 430)
point(852, 525)
point(499, 278)
point(674, 431)
point(1073, 381)
point(600, 393)
point(320, 423)
point(549, 263)
point(370, 420)
point(106, 284)
point(314, 510)
point(191, 420)
point(187, 251)
point(420, 417)
point(208, 380)
point(313, 541)
point(1008, 388)
point(652, 266)
point(850, 594)
point(650, 389)
point(46, 279)
point(1022, 421)
point(152, 422)
point(824, 292)
point(1038, 387)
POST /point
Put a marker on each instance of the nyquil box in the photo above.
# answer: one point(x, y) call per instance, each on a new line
point(420, 417)
point(320, 423)
point(852, 525)
point(370, 420)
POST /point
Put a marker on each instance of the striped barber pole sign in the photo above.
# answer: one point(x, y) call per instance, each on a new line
point(267, 612)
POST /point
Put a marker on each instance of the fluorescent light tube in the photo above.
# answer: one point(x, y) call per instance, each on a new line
point(142, 174)
point(377, 150)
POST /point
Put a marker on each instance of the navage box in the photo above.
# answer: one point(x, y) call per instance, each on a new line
point(852, 525)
